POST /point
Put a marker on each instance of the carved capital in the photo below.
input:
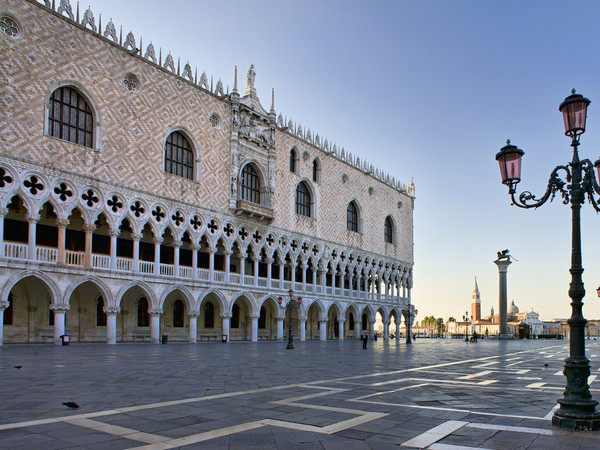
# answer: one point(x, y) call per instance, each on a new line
point(136, 236)
point(89, 228)
point(342, 321)
point(226, 315)
point(155, 311)
point(193, 314)
point(114, 233)
point(3, 306)
point(176, 244)
point(32, 218)
point(157, 240)
point(111, 309)
point(62, 223)
point(60, 308)
point(196, 247)
point(3, 212)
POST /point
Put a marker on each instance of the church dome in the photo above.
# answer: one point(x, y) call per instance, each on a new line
point(512, 309)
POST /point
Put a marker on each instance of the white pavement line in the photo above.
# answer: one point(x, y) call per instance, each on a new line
point(535, 385)
point(512, 359)
point(560, 372)
point(591, 379)
point(489, 364)
point(455, 447)
point(515, 363)
point(490, 426)
point(551, 413)
point(522, 371)
point(487, 382)
point(388, 392)
point(116, 430)
point(435, 434)
point(474, 375)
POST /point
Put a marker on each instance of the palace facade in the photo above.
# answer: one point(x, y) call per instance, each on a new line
point(139, 200)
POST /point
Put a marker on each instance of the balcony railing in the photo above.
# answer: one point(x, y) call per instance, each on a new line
point(19, 251)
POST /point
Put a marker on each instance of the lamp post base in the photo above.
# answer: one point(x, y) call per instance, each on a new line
point(578, 418)
point(505, 337)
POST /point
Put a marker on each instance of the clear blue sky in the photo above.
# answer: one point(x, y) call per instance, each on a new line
point(428, 90)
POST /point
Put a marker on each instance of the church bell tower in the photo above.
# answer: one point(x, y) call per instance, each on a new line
point(476, 303)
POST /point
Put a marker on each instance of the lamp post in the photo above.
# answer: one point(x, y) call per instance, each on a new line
point(293, 303)
point(409, 314)
point(577, 408)
point(466, 320)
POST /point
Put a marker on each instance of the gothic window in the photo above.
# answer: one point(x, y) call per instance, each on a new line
point(209, 315)
point(303, 200)
point(293, 161)
point(316, 171)
point(262, 319)
point(177, 314)
point(179, 157)
point(250, 185)
point(352, 217)
point(143, 318)
point(388, 230)
point(100, 314)
point(70, 117)
point(235, 316)
point(8, 312)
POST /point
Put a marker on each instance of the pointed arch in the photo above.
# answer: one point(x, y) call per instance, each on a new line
point(144, 287)
point(98, 282)
point(184, 291)
point(55, 293)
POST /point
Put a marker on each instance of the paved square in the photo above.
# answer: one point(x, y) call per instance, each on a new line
point(436, 393)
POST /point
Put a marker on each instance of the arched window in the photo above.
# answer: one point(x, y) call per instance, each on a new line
point(8, 312)
point(100, 314)
point(388, 230)
point(143, 318)
point(351, 320)
point(209, 315)
point(70, 117)
point(262, 319)
point(293, 161)
point(250, 185)
point(303, 200)
point(177, 314)
point(352, 217)
point(316, 171)
point(235, 316)
point(179, 157)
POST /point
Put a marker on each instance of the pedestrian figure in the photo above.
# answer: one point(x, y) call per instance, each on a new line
point(475, 336)
point(365, 338)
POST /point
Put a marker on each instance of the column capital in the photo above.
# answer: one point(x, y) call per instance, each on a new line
point(32, 218)
point(62, 223)
point(89, 227)
point(323, 320)
point(226, 315)
point(191, 314)
point(60, 308)
point(254, 317)
point(341, 320)
point(157, 240)
point(3, 305)
point(3, 212)
point(228, 253)
point(269, 260)
point(155, 312)
point(136, 236)
point(114, 233)
point(196, 247)
point(176, 244)
point(111, 310)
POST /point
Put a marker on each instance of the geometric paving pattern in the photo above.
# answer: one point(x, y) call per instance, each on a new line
point(438, 393)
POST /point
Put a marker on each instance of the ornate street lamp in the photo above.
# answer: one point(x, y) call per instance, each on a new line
point(293, 303)
point(409, 314)
point(577, 408)
point(466, 319)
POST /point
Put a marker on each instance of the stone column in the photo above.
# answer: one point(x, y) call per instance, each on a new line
point(87, 258)
point(323, 273)
point(176, 246)
point(254, 323)
point(279, 328)
point(303, 267)
point(357, 329)
point(322, 329)
point(242, 268)
point(124, 313)
point(256, 260)
point(113, 248)
point(302, 330)
point(195, 248)
point(503, 296)
point(314, 279)
point(293, 275)
point(341, 329)
point(61, 258)
point(386, 330)
point(371, 330)
point(59, 322)
point(155, 325)
point(193, 316)
point(157, 242)
point(281, 271)
point(32, 219)
point(3, 306)
point(225, 319)
point(211, 263)
point(111, 323)
point(3, 213)
point(136, 252)
point(227, 263)
point(269, 271)
point(351, 282)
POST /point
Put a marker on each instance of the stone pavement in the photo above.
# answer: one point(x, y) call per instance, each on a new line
point(436, 393)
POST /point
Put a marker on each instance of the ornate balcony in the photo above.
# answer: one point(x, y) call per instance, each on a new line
point(254, 210)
